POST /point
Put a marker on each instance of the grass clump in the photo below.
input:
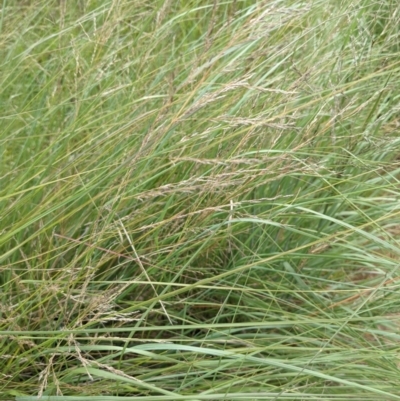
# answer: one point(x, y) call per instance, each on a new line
point(199, 200)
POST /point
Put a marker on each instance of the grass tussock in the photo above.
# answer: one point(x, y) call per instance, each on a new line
point(199, 200)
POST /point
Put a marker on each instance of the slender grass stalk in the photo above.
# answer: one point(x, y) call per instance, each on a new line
point(199, 200)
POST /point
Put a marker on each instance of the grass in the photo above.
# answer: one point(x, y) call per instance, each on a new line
point(199, 200)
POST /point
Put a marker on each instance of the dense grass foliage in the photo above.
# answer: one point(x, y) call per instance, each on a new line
point(199, 200)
